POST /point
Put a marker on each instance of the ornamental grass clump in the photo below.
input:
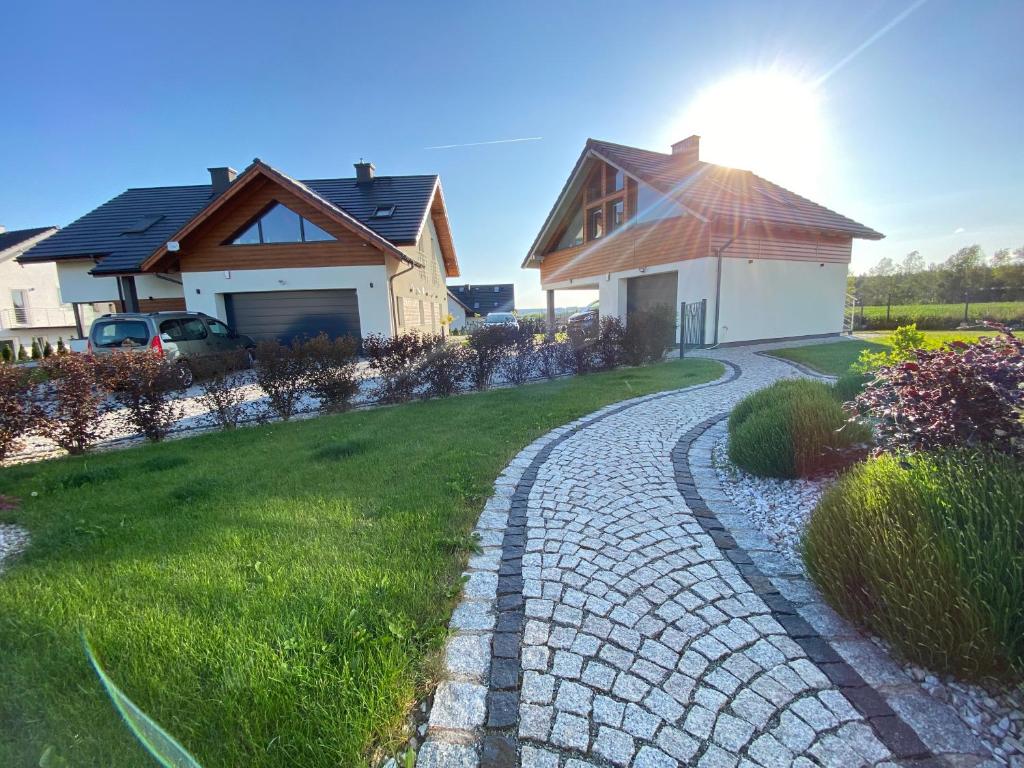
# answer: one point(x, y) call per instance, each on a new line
point(927, 550)
point(794, 428)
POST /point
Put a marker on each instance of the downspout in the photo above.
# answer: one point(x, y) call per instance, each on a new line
point(393, 298)
point(718, 278)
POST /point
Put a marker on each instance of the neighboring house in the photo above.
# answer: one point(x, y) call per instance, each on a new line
point(484, 299)
point(646, 228)
point(269, 255)
point(30, 304)
point(459, 312)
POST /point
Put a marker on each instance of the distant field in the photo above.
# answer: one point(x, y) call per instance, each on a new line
point(937, 317)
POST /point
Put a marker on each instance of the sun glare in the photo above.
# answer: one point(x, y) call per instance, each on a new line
point(768, 122)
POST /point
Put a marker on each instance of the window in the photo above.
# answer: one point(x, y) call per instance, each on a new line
point(616, 214)
point(142, 224)
point(383, 212)
point(594, 184)
point(574, 232)
point(19, 298)
point(280, 224)
point(497, 288)
point(615, 180)
point(120, 333)
point(595, 223)
point(217, 328)
point(183, 329)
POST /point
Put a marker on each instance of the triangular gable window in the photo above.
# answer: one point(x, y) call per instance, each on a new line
point(279, 224)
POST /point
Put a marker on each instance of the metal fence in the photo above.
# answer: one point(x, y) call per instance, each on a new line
point(692, 324)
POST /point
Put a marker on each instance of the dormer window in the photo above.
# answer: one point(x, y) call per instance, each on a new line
point(383, 212)
point(279, 224)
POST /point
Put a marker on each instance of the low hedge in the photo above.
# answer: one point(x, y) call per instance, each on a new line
point(928, 551)
point(849, 385)
point(793, 428)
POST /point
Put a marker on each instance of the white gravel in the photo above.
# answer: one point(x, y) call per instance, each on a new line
point(780, 509)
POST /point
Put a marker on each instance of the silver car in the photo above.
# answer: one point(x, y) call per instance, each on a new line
point(502, 318)
point(177, 336)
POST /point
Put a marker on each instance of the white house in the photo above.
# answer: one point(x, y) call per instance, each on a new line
point(751, 260)
point(30, 304)
point(272, 256)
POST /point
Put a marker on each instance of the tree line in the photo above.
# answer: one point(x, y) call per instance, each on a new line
point(967, 275)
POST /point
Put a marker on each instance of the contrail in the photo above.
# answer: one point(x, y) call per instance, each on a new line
point(871, 40)
point(483, 143)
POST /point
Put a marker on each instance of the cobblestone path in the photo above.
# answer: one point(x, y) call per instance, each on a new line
point(613, 620)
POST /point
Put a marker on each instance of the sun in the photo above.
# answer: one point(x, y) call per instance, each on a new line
point(768, 122)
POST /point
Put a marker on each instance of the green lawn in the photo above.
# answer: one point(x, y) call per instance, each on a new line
point(272, 596)
point(835, 358)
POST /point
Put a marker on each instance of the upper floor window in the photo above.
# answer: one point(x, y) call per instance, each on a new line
point(279, 224)
point(615, 180)
point(616, 214)
point(595, 223)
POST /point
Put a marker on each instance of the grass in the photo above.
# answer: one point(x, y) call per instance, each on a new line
point(927, 551)
point(938, 316)
point(835, 358)
point(271, 596)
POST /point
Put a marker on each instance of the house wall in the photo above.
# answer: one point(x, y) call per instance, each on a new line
point(204, 291)
point(77, 286)
point(420, 294)
point(458, 315)
point(42, 292)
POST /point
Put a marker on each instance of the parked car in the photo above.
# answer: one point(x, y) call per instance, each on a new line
point(585, 326)
point(177, 336)
point(502, 318)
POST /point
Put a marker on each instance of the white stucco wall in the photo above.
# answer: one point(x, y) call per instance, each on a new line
point(204, 291)
point(458, 314)
point(770, 299)
point(78, 286)
point(48, 317)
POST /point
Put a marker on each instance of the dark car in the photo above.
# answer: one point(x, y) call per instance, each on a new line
point(177, 336)
point(585, 325)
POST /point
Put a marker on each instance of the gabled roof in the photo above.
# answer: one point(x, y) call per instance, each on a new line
point(481, 299)
point(103, 234)
point(707, 191)
point(14, 238)
point(459, 301)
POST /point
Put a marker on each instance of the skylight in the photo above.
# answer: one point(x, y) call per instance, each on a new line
point(142, 224)
point(383, 212)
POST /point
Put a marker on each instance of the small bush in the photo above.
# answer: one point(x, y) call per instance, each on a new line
point(906, 340)
point(6, 353)
point(142, 383)
point(47, 349)
point(219, 383)
point(533, 326)
point(332, 370)
point(490, 344)
point(648, 334)
point(520, 361)
point(73, 402)
point(445, 369)
point(962, 395)
point(794, 428)
point(849, 385)
point(18, 414)
point(608, 350)
point(22, 353)
point(62, 348)
point(37, 352)
point(394, 359)
point(281, 372)
point(550, 358)
point(928, 551)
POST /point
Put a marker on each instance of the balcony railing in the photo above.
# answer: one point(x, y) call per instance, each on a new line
point(37, 317)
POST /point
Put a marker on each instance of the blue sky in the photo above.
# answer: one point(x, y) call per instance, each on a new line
point(919, 132)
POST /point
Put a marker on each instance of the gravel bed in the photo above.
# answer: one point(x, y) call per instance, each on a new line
point(780, 510)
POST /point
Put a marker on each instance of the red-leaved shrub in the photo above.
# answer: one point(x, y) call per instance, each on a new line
point(142, 383)
point(17, 411)
point(395, 358)
point(490, 345)
point(961, 395)
point(444, 370)
point(72, 403)
point(332, 370)
point(281, 373)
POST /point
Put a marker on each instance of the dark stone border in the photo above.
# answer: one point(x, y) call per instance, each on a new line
point(804, 369)
point(500, 747)
point(899, 737)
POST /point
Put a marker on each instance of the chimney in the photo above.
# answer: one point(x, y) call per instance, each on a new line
point(688, 149)
point(364, 173)
point(221, 178)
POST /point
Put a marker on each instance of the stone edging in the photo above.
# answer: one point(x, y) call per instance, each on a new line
point(804, 369)
point(475, 714)
point(904, 719)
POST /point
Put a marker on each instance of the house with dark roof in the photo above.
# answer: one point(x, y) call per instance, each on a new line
point(750, 260)
point(272, 256)
point(30, 303)
point(484, 299)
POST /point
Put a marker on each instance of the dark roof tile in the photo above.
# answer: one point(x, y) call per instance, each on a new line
point(15, 237)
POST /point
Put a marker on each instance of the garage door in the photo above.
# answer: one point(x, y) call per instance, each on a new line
point(651, 290)
point(284, 315)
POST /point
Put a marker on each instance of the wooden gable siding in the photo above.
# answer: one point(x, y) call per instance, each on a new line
point(203, 250)
point(765, 242)
point(635, 246)
point(162, 305)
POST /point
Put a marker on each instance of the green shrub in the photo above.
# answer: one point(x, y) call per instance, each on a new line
point(37, 352)
point(906, 340)
point(791, 429)
point(928, 551)
point(849, 385)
